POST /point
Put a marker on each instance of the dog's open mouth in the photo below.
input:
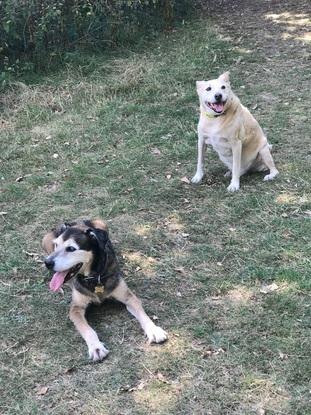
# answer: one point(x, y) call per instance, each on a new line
point(60, 277)
point(217, 107)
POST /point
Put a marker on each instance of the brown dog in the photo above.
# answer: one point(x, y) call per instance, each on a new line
point(81, 254)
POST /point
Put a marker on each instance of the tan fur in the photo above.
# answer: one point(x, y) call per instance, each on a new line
point(98, 223)
point(47, 242)
point(123, 294)
point(234, 134)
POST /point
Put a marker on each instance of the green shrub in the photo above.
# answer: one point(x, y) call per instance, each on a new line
point(36, 34)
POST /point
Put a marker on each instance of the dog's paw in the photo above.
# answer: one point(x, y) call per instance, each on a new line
point(233, 187)
point(155, 334)
point(228, 173)
point(97, 352)
point(270, 176)
point(197, 178)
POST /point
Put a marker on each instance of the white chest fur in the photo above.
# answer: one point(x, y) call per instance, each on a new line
point(221, 144)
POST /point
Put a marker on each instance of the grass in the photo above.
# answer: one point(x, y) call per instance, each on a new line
point(114, 141)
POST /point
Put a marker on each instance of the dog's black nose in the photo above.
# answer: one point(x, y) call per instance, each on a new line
point(218, 97)
point(49, 263)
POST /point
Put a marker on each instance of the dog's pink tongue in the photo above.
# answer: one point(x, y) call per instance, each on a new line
point(57, 281)
point(219, 107)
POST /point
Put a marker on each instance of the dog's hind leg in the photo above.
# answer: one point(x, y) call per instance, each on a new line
point(97, 350)
point(268, 161)
point(123, 294)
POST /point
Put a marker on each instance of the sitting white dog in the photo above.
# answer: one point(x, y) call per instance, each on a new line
point(232, 131)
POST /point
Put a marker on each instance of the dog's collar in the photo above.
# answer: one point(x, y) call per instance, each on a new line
point(208, 115)
point(96, 283)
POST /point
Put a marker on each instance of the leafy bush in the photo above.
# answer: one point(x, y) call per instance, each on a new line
point(35, 34)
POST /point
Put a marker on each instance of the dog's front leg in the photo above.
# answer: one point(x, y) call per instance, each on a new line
point(236, 166)
point(97, 350)
point(200, 164)
point(123, 294)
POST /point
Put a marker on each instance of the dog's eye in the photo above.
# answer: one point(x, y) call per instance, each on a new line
point(223, 87)
point(70, 249)
point(208, 88)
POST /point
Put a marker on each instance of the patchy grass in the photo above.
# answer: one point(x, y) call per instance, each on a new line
point(114, 142)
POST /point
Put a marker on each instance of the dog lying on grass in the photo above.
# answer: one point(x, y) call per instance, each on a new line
point(81, 254)
point(232, 131)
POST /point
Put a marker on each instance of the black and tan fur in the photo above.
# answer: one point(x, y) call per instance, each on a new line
point(93, 275)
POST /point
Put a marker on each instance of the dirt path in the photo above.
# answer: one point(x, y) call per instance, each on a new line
point(279, 31)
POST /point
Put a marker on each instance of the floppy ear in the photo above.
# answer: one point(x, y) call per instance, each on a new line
point(99, 236)
point(99, 224)
point(47, 242)
point(225, 77)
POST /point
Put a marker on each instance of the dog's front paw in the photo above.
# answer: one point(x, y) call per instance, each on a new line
point(228, 173)
point(233, 187)
point(97, 352)
point(197, 178)
point(155, 334)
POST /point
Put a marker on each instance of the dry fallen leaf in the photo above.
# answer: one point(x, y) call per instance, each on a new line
point(283, 356)
point(185, 180)
point(212, 352)
point(69, 370)
point(162, 378)
point(181, 270)
point(266, 289)
point(129, 388)
point(141, 385)
point(32, 254)
point(42, 390)
point(155, 151)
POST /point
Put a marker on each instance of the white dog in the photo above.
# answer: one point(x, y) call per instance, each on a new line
point(232, 131)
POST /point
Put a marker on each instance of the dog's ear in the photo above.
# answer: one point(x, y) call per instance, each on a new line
point(99, 224)
point(98, 236)
point(61, 228)
point(200, 86)
point(47, 242)
point(225, 77)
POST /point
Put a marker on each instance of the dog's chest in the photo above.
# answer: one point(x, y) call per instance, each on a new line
point(221, 145)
